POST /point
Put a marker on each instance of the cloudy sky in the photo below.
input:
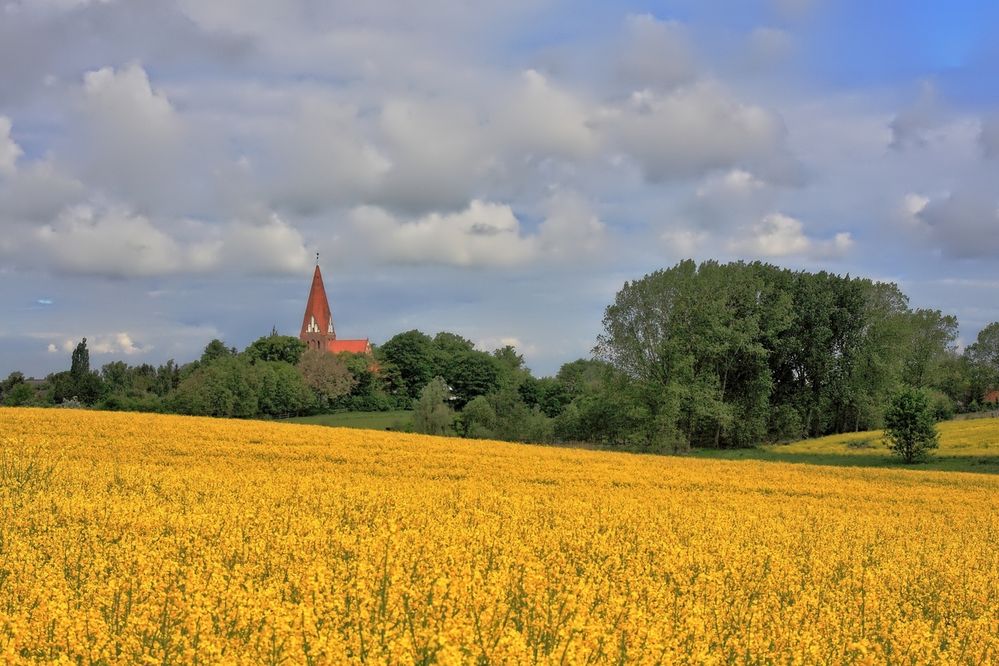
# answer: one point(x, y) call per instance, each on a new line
point(169, 168)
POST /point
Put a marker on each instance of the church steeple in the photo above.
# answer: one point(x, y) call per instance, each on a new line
point(317, 324)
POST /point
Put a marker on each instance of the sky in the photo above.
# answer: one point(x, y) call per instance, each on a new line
point(169, 168)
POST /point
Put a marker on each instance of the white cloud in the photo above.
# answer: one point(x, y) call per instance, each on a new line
point(109, 343)
point(684, 242)
point(655, 53)
point(541, 119)
point(38, 192)
point(724, 200)
point(112, 242)
point(117, 343)
point(571, 229)
point(438, 154)
point(484, 234)
point(989, 135)
point(911, 125)
point(132, 139)
point(695, 130)
point(271, 246)
point(322, 157)
point(779, 235)
point(9, 151)
point(963, 224)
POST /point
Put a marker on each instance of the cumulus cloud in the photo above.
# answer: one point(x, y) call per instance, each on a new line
point(963, 224)
point(131, 138)
point(323, 157)
point(112, 343)
point(37, 192)
point(655, 53)
point(988, 136)
point(727, 199)
point(270, 246)
point(779, 235)
point(541, 119)
point(911, 126)
point(694, 130)
point(117, 343)
point(438, 154)
point(114, 241)
point(9, 151)
point(485, 234)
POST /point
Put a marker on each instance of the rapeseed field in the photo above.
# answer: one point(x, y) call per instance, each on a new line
point(130, 538)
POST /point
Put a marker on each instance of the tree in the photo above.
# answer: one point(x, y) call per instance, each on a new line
point(932, 340)
point(469, 374)
point(983, 359)
point(84, 385)
point(80, 364)
point(910, 426)
point(227, 387)
point(215, 350)
point(478, 419)
point(327, 375)
point(432, 415)
point(281, 389)
point(275, 347)
point(116, 376)
point(412, 355)
point(18, 395)
point(13, 379)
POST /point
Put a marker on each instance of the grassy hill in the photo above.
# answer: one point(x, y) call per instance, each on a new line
point(965, 446)
point(135, 538)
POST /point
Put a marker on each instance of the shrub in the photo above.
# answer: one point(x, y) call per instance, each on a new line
point(910, 426)
point(432, 415)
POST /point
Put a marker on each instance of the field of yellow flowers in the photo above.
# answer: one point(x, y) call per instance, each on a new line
point(163, 539)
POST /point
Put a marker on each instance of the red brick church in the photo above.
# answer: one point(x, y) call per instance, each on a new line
point(317, 325)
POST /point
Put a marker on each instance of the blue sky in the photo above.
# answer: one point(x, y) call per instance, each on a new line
point(168, 169)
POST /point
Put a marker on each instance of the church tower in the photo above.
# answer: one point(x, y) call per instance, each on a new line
point(317, 324)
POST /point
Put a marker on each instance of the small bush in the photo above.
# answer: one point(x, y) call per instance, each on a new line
point(910, 427)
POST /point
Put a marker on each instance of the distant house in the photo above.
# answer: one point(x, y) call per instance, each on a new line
point(992, 397)
point(318, 331)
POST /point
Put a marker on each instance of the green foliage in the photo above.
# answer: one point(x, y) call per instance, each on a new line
point(18, 395)
point(327, 375)
point(275, 347)
point(733, 355)
point(432, 415)
point(469, 374)
point(412, 356)
point(478, 419)
point(13, 379)
point(281, 389)
point(910, 425)
point(80, 364)
point(225, 387)
point(216, 350)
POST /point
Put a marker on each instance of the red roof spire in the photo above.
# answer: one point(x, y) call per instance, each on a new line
point(318, 320)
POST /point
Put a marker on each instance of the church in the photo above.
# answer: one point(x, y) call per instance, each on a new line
point(318, 331)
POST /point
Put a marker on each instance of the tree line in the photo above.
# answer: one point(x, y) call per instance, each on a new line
point(709, 355)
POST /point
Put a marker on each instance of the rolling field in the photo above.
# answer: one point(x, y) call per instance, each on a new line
point(965, 446)
point(164, 539)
